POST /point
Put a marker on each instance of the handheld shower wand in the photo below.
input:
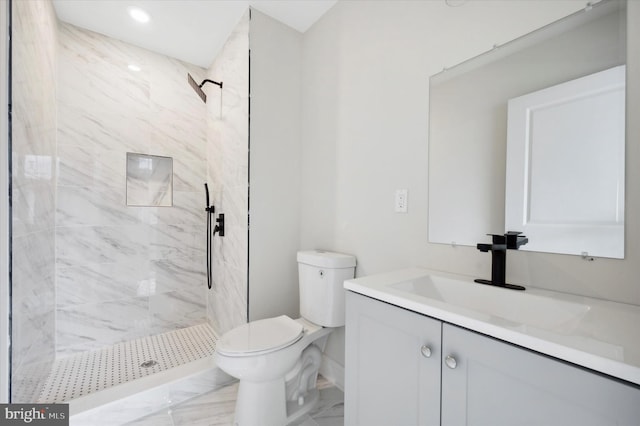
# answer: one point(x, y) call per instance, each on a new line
point(210, 211)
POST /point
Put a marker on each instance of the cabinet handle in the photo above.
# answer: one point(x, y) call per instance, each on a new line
point(426, 351)
point(451, 362)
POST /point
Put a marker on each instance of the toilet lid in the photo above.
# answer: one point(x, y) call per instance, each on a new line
point(260, 336)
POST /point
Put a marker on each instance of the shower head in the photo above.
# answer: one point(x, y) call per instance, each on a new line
point(198, 87)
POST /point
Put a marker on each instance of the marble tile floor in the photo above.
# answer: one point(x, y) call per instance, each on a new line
point(216, 408)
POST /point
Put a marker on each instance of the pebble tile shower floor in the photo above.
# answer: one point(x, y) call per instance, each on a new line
point(82, 374)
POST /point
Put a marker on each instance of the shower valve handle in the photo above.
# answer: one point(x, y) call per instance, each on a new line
point(219, 225)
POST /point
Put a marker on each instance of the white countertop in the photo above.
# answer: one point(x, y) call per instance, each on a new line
point(600, 335)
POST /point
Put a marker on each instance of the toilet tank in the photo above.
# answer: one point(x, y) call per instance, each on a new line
point(321, 275)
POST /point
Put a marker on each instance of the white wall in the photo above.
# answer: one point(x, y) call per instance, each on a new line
point(274, 196)
point(366, 70)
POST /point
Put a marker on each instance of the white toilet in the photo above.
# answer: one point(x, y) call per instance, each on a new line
point(277, 359)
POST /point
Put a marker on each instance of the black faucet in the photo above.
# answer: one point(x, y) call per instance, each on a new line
point(500, 244)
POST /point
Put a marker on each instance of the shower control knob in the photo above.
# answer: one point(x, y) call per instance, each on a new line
point(426, 351)
point(451, 362)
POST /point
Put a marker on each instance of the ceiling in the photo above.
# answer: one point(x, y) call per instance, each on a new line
point(193, 31)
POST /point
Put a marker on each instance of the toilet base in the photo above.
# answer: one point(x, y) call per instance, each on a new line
point(261, 403)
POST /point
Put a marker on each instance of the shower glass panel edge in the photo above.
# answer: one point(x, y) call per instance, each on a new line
point(5, 294)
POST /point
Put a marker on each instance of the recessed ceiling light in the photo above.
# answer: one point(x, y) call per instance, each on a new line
point(139, 15)
point(134, 67)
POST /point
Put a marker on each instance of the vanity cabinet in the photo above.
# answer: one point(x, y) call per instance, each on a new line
point(392, 374)
point(468, 379)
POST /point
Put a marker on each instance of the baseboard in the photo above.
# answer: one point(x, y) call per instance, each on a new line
point(332, 371)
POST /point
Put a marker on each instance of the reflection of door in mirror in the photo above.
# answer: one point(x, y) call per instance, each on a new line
point(565, 166)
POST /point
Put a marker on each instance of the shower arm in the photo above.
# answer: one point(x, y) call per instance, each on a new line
point(209, 81)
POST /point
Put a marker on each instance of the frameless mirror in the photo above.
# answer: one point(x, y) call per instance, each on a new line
point(149, 180)
point(469, 119)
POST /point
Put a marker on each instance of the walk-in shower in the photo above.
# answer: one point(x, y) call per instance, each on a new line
point(109, 291)
point(99, 283)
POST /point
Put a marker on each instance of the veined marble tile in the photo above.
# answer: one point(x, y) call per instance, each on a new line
point(99, 244)
point(175, 310)
point(116, 131)
point(28, 379)
point(329, 411)
point(93, 206)
point(31, 107)
point(178, 134)
point(227, 147)
point(233, 62)
point(88, 165)
point(174, 240)
point(179, 273)
point(217, 407)
point(32, 268)
point(121, 412)
point(91, 46)
point(187, 209)
point(100, 282)
point(32, 208)
point(230, 250)
point(99, 87)
point(102, 63)
point(188, 176)
point(105, 111)
point(178, 99)
point(234, 202)
point(214, 406)
point(93, 326)
point(228, 303)
point(108, 244)
point(33, 152)
point(199, 384)
point(33, 339)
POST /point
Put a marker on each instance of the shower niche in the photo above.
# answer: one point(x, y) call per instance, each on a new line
point(149, 180)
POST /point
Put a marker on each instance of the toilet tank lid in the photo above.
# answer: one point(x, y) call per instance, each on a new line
point(326, 259)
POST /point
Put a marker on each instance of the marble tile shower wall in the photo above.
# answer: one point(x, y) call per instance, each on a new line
point(33, 195)
point(228, 174)
point(123, 272)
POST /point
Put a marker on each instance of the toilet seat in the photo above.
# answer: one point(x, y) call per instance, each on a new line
point(259, 337)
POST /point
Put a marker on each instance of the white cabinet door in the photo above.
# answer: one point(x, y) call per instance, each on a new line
point(389, 379)
point(495, 383)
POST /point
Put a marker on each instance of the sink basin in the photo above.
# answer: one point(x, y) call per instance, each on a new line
point(518, 308)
